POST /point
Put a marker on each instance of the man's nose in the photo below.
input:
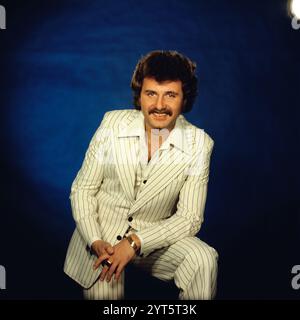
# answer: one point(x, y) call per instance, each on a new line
point(160, 102)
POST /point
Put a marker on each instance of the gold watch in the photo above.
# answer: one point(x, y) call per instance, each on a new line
point(133, 244)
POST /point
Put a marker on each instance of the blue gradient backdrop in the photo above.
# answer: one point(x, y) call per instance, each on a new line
point(65, 63)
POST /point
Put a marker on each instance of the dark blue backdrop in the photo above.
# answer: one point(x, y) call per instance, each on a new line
point(65, 63)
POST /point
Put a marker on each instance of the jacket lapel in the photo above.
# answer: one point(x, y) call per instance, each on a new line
point(169, 166)
point(125, 151)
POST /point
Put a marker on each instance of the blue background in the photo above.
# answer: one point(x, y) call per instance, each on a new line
point(65, 63)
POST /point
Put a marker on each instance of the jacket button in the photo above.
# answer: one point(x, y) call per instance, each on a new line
point(144, 181)
point(119, 237)
point(130, 219)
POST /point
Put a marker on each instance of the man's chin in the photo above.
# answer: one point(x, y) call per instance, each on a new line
point(160, 125)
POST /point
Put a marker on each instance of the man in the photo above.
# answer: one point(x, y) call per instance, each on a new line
point(140, 194)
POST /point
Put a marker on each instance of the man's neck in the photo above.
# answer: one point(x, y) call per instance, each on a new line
point(155, 133)
point(155, 138)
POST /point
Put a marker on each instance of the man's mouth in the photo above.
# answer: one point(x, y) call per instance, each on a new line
point(160, 115)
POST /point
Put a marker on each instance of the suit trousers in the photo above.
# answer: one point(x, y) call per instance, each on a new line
point(190, 262)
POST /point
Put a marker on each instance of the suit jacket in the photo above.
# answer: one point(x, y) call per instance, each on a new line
point(169, 207)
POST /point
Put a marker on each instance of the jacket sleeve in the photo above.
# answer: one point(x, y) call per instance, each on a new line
point(187, 219)
point(87, 184)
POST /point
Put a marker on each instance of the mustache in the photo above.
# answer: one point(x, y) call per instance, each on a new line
point(161, 111)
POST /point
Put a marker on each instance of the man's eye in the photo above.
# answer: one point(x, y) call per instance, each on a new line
point(171, 95)
point(150, 94)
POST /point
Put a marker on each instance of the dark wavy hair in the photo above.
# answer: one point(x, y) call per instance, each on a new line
point(163, 66)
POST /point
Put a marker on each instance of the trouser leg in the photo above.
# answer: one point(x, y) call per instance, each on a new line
point(190, 262)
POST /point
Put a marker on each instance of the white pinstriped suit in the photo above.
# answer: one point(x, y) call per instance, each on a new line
point(166, 213)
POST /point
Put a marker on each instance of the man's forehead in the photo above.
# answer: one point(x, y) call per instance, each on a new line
point(168, 84)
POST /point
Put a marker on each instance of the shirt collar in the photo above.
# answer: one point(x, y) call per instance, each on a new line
point(178, 137)
point(135, 128)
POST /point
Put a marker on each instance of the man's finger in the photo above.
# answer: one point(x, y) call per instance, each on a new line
point(111, 271)
point(118, 272)
point(100, 260)
point(103, 273)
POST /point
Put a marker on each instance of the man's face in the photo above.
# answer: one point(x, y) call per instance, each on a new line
point(161, 103)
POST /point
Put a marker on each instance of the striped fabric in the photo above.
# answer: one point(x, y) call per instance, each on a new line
point(166, 211)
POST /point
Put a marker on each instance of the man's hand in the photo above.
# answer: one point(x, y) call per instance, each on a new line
point(103, 250)
point(123, 253)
